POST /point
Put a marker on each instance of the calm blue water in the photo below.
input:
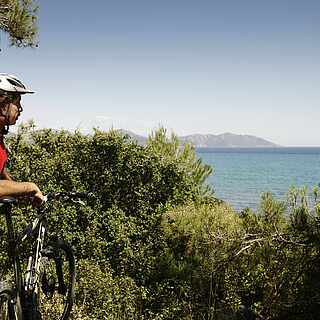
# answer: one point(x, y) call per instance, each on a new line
point(242, 175)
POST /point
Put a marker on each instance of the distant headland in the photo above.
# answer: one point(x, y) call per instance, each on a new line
point(224, 140)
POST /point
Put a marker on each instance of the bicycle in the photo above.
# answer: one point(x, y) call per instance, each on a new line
point(50, 269)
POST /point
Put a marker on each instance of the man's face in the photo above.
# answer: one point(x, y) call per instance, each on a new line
point(14, 110)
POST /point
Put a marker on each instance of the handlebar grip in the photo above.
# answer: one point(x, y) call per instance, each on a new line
point(8, 200)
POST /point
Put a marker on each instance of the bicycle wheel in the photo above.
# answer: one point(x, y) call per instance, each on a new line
point(10, 307)
point(58, 276)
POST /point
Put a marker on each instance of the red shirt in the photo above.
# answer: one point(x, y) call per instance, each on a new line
point(3, 156)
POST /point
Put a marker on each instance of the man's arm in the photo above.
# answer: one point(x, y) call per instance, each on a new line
point(16, 189)
point(11, 188)
point(6, 175)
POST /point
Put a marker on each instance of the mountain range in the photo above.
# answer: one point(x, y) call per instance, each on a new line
point(224, 140)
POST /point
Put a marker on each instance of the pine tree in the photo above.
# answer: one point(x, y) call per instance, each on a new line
point(18, 19)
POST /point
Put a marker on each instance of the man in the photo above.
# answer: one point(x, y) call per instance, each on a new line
point(11, 89)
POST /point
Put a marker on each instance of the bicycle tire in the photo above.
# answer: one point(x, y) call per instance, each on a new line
point(61, 298)
point(10, 306)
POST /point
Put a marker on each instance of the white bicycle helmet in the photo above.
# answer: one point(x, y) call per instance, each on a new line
point(10, 83)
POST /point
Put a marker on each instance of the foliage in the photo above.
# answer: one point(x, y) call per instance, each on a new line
point(185, 156)
point(249, 266)
point(117, 297)
point(201, 238)
point(155, 245)
point(18, 18)
point(118, 233)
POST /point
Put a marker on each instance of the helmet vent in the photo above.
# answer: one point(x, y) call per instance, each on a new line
point(16, 83)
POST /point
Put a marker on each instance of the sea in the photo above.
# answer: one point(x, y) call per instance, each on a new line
point(241, 175)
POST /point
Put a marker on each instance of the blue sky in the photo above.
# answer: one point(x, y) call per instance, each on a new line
point(247, 67)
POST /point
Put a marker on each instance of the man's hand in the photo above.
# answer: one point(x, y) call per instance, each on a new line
point(21, 189)
point(37, 196)
point(37, 199)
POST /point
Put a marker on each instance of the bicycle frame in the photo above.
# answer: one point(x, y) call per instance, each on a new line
point(28, 287)
point(25, 292)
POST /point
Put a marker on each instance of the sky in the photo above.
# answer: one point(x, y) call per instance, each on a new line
point(209, 67)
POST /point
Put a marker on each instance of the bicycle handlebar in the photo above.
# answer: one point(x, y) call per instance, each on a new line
point(67, 195)
point(64, 196)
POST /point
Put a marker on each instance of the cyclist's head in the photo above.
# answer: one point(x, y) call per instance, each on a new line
point(11, 86)
point(11, 89)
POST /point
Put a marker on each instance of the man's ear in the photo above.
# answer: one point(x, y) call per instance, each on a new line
point(2, 98)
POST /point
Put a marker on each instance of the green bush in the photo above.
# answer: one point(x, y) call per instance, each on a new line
point(120, 229)
point(264, 264)
point(155, 243)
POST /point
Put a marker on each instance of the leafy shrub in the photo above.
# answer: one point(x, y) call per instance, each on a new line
point(118, 233)
point(155, 243)
point(255, 265)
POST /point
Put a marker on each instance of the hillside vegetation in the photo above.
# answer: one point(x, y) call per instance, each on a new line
point(156, 244)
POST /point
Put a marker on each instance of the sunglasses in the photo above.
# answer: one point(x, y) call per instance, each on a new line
point(13, 96)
